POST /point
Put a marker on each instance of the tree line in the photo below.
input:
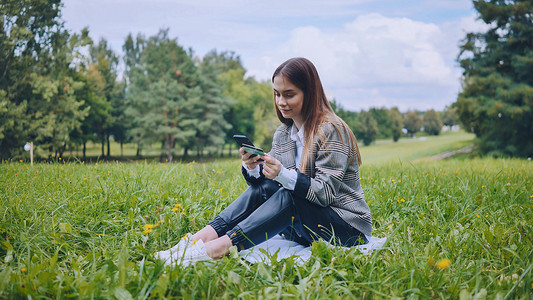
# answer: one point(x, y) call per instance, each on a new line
point(62, 90)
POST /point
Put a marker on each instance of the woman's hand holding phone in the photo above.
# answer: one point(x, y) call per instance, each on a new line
point(251, 162)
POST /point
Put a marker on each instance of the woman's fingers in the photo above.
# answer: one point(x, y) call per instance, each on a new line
point(271, 166)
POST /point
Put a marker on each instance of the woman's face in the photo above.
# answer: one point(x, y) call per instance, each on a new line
point(289, 99)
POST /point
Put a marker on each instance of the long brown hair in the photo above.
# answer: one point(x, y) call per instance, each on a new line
point(316, 108)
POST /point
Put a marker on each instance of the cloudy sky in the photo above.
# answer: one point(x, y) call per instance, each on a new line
point(369, 53)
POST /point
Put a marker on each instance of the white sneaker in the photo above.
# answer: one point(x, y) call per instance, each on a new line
point(194, 252)
point(178, 249)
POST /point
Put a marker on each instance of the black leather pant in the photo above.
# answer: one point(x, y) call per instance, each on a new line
point(266, 209)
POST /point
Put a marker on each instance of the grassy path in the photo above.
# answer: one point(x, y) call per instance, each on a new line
point(414, 149)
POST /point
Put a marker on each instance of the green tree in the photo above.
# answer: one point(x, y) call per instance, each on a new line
point(252, 109)
point(368, 128)
point(381, 115)
point(164, 95)
point(229, 76)
point(265, 119)
point(12, 125)
point(396, 120)
point(37, 83)
point(122, 123)
point(39, 77)
point(212, 126)
point(432, 122)
point(223, 61)
point(412, 122)
point(103, 68)
point(98, 72)
point(133, 48)
point(350, 117)
point(449, 117)
point(496, 101)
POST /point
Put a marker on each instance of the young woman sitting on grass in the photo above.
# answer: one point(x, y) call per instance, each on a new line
point(306, 188)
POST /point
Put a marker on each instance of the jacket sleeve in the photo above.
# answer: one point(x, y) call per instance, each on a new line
point(331, 159)
point(252, 180)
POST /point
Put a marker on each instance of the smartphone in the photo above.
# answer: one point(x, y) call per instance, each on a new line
point(244, 141)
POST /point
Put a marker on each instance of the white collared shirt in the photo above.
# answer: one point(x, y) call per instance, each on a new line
point(287, 177)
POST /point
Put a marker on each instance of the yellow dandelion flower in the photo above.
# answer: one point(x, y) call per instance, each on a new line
point(183, 213)
point(319, 225)
point(292, 218)
point(177, 205)
point(175, 209)
point(455, 172)
point(220, 190)
point(531, 196)
point(443, 263)
point(483, 186)
point(23, 270)
point(148, 226)
point(389, 227)
point(84, 179)
point(486, 216)
point(477, 215)
point(403, 200)
point(147, 231)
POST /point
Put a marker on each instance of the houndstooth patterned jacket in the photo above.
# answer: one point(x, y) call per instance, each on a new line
point(335, 180)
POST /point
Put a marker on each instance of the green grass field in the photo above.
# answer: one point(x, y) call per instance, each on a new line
point(456, 229)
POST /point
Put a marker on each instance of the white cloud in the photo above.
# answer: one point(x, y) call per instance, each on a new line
point(367, 55)
point(365, 59)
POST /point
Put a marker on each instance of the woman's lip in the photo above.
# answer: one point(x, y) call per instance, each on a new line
point(284, 110)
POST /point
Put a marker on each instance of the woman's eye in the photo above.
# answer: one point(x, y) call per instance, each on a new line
point(289, 95)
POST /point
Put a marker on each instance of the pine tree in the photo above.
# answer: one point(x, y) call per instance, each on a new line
point(212, 126)
point(164, 93)
point(496, 101)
